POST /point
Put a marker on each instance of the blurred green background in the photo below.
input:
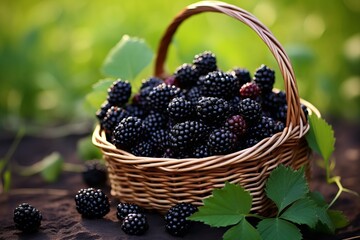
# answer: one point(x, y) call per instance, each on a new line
point(51, 52)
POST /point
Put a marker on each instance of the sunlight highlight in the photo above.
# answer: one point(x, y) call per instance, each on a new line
point(314, 26)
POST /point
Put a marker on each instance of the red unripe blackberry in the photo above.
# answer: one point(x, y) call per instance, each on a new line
point(236, 124)
point(250, 90)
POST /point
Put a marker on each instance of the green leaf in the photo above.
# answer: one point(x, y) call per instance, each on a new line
point(87, 150)
point(278, 229)
point(225, 207)
point(243, 230)
point(301, 212)
point(52, 167)
point(324, 224)
point(128, 58)
point(7, 180)
point(99, 93)
point(338, 218)
point(285, 186)
point(320, 137)
point(318, 199)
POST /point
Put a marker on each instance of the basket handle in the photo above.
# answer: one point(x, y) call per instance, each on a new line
point(294, 112)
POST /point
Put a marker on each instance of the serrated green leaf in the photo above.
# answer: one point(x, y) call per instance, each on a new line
point(242, 230)
point(301, 212)
point(98, 94)
point(324, 224)
point(285, 186)
point(225, 207)
point(128, 58)
point(318, 199)
point(338, 218)
point(86, 149)
point(52, 167)
point(320, 137)
point(278, 229)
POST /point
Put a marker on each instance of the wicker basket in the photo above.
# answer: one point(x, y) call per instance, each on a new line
point(159, 183)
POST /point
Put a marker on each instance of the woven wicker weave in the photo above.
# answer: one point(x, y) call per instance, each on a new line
point(159, 183)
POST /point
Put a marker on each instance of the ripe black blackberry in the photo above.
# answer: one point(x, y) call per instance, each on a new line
point(249, 142)
point(135, 224)
point(186, 76)
point(180, 109)
point(92, 203)
point(250, 110)
point(235, 105)
point(266, 127)
point(183, 134)
point(250, 90)
point(113, 116)
point(212, 109)
point(160, 139)
point(160, 96)
point(236, 124)
point(242, 74)
point(219, 84)
point(119, 93)
point(94, 174)
point(201, 151)
point(154, 121)
point(205, 62)
point(27, 218)
point(222, 141)
point(151, 82)
point(127, 132)
point(124, 209)
point(175, 219)
point(264, 78)
point(143, 148)
point(135, 110)
point(101, 112)
point(193, 95)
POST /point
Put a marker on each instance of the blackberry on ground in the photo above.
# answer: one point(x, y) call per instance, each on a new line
point(183, 134)
point(250, 90)
point(127, 132)
point(186, 76)
point(205, 62)
point(222, 141)
point(101, 112)
point(201, 151)
point(175, 219)
point(124, 209)
point(264, 78)
point(119, 93)
point(92, 203)
point(154, 121)
point(143, 148)
point(250, 110)
point(236, 124)
point(180, 109)
point(242, 74)
point(113, 116)
point(27, 218)
point(193, 95)
point(212, 109)
point(94, 174)
point(219, 84)
point(160, 96)
point(135, 224)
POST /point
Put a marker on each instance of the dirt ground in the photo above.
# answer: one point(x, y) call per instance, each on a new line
point(61, 221)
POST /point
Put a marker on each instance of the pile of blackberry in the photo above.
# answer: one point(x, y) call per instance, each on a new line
point(198, 111)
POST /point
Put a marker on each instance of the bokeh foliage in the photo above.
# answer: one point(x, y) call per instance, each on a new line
point(51, 52)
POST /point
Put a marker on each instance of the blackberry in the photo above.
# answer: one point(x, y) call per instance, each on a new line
point(205, 62)
point(113, 116)
point(154, 121)
point(186, 76)
point(183, 134)
point(27, 218)
point(219, 84)
point(305, 110)
point(249, 142)
point(201, 151)
point(222, 141)
point(160, 139)
point(180, 109)
point(212, 109)
point(94, 174)
point(135, 224)
point(242, 75)
point(119, 93)
point(135, 110)
point(144, 149)
point(263, 129)
point(151, 82)
point(279, 127)
point(250, 90)
point(160, 96)
point(235, 105)
point(264, 78)
point(124, 209)
point(250, 110)
point(281, 113)
point(194, 94)
point(127, 132)
point(175, 219)
point(101, 113)
point(92, 203)
point(236, 124)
